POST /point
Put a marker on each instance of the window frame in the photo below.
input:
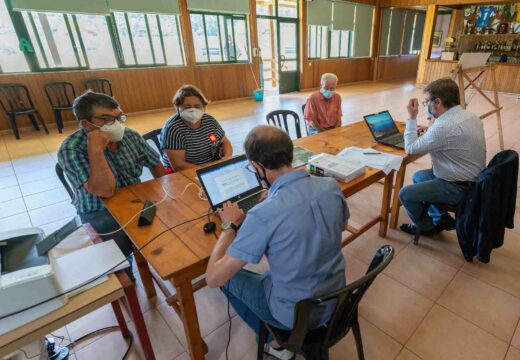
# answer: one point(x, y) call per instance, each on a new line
point(118, 49)
point(319, 41)
point(349, 48)
point(226, 16)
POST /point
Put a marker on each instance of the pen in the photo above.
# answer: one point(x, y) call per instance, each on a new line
point(371, 153)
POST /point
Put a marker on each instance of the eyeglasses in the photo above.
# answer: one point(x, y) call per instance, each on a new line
point(425, 102)
point(249, 167)
point(109, 120)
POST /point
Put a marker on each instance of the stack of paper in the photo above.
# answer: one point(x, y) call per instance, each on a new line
point(337, 167)
point(373, 158)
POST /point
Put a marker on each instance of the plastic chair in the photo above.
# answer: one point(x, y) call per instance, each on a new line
point(315, 343)
point(278, 118)
point(61, 95)
point(100, 85)
point(15, 100)
point(64, 182)
point(154, 136)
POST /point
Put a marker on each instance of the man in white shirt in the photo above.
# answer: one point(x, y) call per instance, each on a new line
point(457, 148)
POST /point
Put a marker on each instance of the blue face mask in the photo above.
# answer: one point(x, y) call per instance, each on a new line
point(327, 94)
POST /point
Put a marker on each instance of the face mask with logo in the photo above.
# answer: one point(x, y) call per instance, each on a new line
point(115, 130)
point(327, 94)
point(191, 115)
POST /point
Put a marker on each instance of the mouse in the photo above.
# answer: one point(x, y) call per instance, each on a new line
point(209, 227)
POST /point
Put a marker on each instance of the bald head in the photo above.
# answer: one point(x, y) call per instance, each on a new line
point(269, 146)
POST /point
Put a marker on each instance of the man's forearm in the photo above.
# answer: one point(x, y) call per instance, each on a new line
point(224, 241)
point(101, 180)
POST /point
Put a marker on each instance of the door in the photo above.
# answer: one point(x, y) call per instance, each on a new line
point(288, 74)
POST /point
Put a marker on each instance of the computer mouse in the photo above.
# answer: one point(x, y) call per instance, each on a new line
point(210, 227)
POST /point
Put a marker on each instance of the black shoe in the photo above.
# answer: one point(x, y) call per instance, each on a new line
point(411, 229)
point(446, 224)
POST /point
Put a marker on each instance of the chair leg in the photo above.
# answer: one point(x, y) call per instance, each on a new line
point(59, 120)
point(12, 120)
point(262, 339)
point(33, 121)
point(40, 119)
point(359, 342)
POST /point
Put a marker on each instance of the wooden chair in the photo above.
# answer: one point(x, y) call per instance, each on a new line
point(314, 343)
point(278, 118)
point(16, 101)
point(100, 85)
point(61, 95)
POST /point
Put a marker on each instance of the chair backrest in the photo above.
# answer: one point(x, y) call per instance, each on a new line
point(15, 98)
point(278, 118)
point(346, 303)
point(103, 86)
point(154, 136)
point(303, 110)
point(61, 94)
point(64, 182)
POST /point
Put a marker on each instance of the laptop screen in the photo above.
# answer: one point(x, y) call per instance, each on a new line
point(228, 181)
point(381, 124)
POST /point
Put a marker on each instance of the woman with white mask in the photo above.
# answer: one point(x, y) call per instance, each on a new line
point(192, 137)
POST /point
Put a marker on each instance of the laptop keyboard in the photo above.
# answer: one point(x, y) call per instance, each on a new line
point(250, 202)
point(395, 139)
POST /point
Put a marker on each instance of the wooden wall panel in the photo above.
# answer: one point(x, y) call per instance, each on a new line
point(141, 89)
point(397, 67)
point(347, 70)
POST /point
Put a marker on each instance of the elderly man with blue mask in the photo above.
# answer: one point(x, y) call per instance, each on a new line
point(323, 108)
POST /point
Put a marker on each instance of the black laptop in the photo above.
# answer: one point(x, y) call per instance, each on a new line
point(231, 180)
point(384, 130)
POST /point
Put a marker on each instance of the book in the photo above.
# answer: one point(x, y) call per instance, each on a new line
point(341, 169)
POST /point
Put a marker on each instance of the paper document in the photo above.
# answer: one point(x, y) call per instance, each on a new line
point(301, 156)
point(81, 266)
point(373, 158)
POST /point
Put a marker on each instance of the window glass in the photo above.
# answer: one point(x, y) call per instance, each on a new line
point(335, 37)
point(265, 7)
point(124, 38)
point(345, 44)
point(11, 58)
point(156, 38)
point(172, 40)
point(288, 8)
point(142, 46)
point(241, 39)
point(96, 39)
point(318, 42)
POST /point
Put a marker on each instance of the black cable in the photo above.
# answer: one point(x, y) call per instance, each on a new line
point(229, 318)
point(102, 274)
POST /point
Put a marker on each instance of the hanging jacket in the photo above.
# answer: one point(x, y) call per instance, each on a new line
point(488, 207)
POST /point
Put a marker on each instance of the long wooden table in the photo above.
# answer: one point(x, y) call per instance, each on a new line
point(181, 254)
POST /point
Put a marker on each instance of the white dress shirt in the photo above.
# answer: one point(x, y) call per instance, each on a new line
point(455, 142)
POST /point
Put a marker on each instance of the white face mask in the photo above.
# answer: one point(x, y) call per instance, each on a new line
point(191, 115)
point(116, 131)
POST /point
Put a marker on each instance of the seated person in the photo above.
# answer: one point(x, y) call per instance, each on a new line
point(192, 137)
point(323, 108)
point(101, 157)
point(457, 147)
point(297, 227)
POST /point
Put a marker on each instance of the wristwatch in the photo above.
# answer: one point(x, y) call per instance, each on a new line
point(226, 225)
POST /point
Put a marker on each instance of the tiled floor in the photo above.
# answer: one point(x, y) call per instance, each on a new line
point(428, 304)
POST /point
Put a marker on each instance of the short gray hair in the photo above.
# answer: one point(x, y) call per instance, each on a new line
point(84, 104)
point(326, 76)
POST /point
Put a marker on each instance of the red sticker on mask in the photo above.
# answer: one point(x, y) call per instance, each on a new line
point(213, 138)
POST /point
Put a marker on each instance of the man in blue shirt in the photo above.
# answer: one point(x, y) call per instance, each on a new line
point(297, 227)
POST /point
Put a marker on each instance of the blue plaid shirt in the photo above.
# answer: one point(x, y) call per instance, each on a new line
point(126, 164)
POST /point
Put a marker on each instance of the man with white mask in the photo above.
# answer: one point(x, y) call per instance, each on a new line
point(101, 157)
point(457, 147)
point(323, 108)
point(192, 137)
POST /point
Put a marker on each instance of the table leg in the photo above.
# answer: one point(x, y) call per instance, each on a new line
point(385, 204)
point(146, 275)
point(396, 204)
point(140, 326)
point(184, 290)
point(120, 319)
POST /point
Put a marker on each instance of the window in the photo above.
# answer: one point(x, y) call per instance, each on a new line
point(317, 42)
point(11, 58)
point(148, 39)
point(285, 8)
point(69, 41)
point(219, 38)
point(339, 43)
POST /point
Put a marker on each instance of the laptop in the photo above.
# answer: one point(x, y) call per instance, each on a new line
point(384, 130)
point(230, 180)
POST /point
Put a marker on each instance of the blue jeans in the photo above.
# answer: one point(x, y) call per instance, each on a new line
point(246, 294)
point(428, 189)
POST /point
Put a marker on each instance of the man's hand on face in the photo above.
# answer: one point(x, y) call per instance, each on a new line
point(231, 212)
point(413, 108)
point(98, 139)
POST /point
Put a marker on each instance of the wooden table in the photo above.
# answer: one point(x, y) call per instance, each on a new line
point(117, 287)
point(180, 255)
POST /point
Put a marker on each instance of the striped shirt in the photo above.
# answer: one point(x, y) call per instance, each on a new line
point(199, 144)
point(126, 164)
point(455, 142)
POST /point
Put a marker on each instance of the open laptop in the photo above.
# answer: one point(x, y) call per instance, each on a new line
point(230, 180)
point(384, 130)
